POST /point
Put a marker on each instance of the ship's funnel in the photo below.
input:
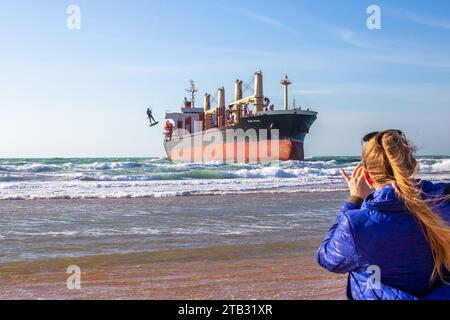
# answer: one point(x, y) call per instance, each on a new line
point(221, 98)
point(285, 83)
point(237, 97)
point(259, 96)
point(207, 102)
point(238, 90)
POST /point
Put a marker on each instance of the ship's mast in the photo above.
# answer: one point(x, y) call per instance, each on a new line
point(192, 90)
point(286, 82)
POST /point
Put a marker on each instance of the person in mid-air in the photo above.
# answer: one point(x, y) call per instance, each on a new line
point(150, 116)
point(392, 236)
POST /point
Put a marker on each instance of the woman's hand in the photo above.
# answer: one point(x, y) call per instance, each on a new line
point(357, 183)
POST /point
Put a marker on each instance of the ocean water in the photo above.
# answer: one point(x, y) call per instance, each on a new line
point(26, 179)
point(68, 208)
point(220, 226)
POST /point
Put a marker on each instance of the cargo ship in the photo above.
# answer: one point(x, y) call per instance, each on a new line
point(248, 129)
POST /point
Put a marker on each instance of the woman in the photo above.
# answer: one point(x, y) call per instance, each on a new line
point(392, 236)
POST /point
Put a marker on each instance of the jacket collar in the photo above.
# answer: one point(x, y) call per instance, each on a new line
point(385, 199)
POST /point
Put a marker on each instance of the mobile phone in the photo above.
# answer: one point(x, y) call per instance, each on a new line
point(369, 180)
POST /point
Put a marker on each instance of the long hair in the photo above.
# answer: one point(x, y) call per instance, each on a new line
point(390, 159)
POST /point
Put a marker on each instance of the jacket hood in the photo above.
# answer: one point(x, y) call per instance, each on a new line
point(386, 199)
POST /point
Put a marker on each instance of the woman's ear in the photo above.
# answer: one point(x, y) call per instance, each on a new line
point(369, 180)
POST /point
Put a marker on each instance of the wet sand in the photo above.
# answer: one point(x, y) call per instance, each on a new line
point(255, 278)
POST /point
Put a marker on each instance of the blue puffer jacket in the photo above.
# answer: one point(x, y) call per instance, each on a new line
point(381, 237)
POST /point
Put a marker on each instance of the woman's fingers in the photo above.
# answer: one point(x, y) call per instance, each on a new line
point(357, 182)
point(355, 172)
point(345, 176)
point(360, 172)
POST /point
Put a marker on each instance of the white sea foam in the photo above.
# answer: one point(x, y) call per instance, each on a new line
point(442, 166)
point(83, 179)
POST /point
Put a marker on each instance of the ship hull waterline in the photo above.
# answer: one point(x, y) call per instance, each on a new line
point(239, 152)
point(292, 127)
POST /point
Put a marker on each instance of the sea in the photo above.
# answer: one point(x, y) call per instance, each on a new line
point(80, 207)
point(80, 178)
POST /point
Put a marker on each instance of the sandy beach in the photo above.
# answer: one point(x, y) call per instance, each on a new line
point(258, 278)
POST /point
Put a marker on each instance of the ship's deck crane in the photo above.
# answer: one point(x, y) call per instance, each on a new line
point(257, 99)
point(224, 115)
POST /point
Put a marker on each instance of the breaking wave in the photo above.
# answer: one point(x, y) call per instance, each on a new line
point(25, 179)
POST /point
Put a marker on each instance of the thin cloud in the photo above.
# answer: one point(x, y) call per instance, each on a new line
point(353, 39)
point(420, 18)
point(407, 59)
point(264, 19)
point(267, 20)
point(382, 52)
point(414, 91)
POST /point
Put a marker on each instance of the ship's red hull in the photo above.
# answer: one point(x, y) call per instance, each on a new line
point(260, 151)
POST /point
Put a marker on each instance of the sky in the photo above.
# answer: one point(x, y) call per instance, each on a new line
point(83, 92)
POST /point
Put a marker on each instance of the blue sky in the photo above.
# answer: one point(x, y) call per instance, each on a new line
point(83, 92)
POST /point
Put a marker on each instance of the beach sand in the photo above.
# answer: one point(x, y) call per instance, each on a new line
point(255, 278)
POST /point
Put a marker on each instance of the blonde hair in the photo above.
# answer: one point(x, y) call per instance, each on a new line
point(390, 159)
